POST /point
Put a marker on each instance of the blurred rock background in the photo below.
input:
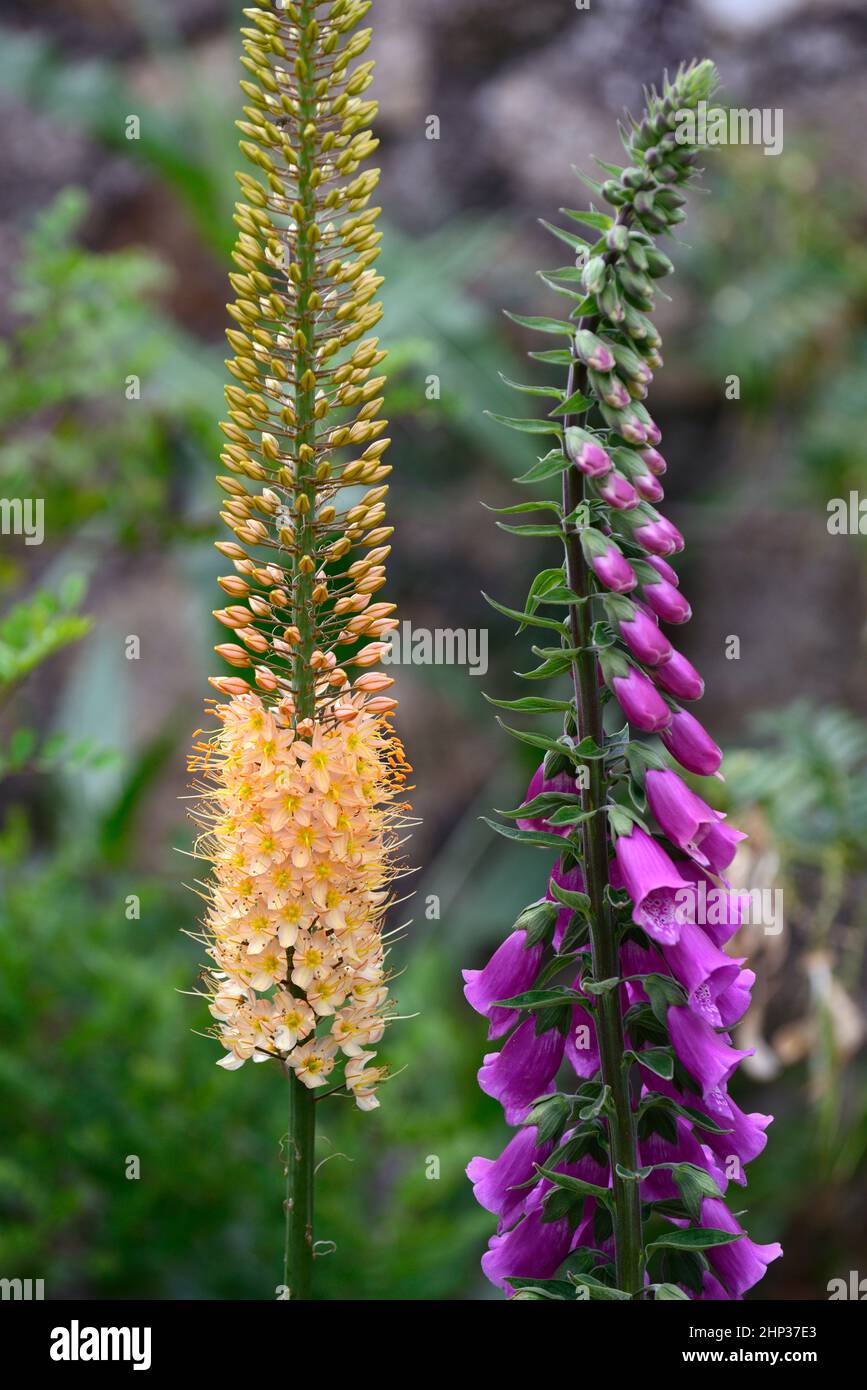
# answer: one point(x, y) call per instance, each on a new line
point(113, 258)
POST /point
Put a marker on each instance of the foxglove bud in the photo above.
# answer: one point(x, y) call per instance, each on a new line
point(586, 452)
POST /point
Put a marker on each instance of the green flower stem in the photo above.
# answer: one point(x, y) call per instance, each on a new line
point(606, 964)
point(300, 1169)
point(301, 1137)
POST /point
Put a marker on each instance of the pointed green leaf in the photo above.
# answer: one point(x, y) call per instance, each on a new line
point(541, 324)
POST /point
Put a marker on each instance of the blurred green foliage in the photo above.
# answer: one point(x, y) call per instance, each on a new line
point(784, 267)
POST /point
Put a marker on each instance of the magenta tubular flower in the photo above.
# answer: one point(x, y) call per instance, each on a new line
point(617, 491)
point(652, 882)
point(511, 970)
point(718, 910)
point(593, 352)
point(741, 1264)
point(664, 569)
point(592, 460)
point(643, 638)
point(667, 602)
point(733, 1002)
point(679, 677)
point(641, 703)
point(654, 460)
point(620, 1055)
point(614, 571)
point(587, 453)
point(703, 969)
point(659, 536)
point(744, 1137)
point(582, 1047)
point(573, 880)
point(691, 744)
point(706, 1054)
point(648, 487)
point(497, 1181)
point(606, 560)
point(682, 815)
point(533, 1249)
point(689, 822)
point(523, 1070)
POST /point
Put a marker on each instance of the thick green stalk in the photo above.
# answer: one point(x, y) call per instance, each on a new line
point(301, 1137)
point(606, 964)
point(300, 1169)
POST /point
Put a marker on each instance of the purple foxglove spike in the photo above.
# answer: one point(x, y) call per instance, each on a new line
point(617, 491)
point(667, 602)
point(652, 882)
point(734, 1001)
point(511, 970)
point(582, 1048)
point(703, 969)
point(664, 569)
point(680, 678)
point(644, 639)
point(707, 1056)
point(691, 745)
point(654, 460)
point(497, 1181)
point(642, 705)
point(523, 1070)
point(743, 1263)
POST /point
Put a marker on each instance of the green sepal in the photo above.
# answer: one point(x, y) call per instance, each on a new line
point(537, 920)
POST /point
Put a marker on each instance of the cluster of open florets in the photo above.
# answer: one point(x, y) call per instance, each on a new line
point(300, 832)
point(686, 1120)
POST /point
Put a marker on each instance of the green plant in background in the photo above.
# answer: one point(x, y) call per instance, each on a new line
point(785, 275)
point(98, 391)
